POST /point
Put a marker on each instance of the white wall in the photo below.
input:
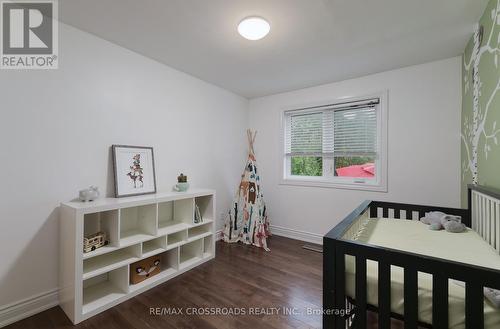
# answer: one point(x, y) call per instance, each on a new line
point(423, 149)
point(57, 126)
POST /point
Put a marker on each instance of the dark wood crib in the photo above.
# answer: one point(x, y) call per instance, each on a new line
point(482, 215)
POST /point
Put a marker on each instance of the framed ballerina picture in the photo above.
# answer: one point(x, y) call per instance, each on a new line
point(134, 168)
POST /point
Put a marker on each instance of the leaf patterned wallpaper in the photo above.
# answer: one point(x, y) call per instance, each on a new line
point(481, 103)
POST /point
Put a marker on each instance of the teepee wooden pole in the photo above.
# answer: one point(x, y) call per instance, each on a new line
point(251, 139)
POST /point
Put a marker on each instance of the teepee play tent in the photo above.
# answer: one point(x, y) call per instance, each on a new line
point(247, 219)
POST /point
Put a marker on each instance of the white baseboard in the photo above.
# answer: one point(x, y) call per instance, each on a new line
point(296, 234)
point(218, 235)
point(25, 308)
point(287, 233)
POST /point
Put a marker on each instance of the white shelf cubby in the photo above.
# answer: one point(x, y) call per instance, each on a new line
point(190, 253)
point(169, 265)
point(153, 247)
point(200, 231)
point(109, 261)
point(208, 246)
point(172, 216)
point(206, 205)
point(184, 211)
point(176, 239)
point(104, 289)
point(137, 224)
point(105, 221)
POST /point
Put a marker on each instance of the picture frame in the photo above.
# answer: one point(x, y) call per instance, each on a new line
point(134, 170)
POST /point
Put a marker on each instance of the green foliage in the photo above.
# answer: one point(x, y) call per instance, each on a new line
point(307, 166)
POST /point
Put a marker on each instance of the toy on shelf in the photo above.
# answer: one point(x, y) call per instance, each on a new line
point(144, 269)
point(89, 194)
point(182, 178)
point(94, 241)
point(197, 215)
point(182, 184)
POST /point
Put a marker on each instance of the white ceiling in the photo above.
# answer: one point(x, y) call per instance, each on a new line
point(311, 41)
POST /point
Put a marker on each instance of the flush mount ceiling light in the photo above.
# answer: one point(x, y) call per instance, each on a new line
point(253, 28)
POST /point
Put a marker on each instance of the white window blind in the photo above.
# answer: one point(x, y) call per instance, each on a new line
point(355, 132)
point(305, 134)
point(346, 130)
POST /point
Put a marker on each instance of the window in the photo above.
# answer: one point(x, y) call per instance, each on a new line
point(337, 145)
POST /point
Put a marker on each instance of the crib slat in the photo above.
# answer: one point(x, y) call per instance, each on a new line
point(410, 297)
point(474, 317)
point(491, 223)
point(360, 292)
point(421, 214)
point(384, 294)
point(485, 219)
point(397, 213)
point(487, 222)
point(472, 206)
point(339, 287)
point(483, 216)
point(385, 212)
point(439, 301)
point(409, 214)
point(478, 213)
point(497, 223)
point(373, 212)
point(474, 211)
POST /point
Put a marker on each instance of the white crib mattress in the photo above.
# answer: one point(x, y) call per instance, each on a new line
point(414, 236)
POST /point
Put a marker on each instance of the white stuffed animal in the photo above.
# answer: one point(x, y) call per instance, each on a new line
point(438, 220)
point(493, 296)
point(452, 224)
point(432, 217)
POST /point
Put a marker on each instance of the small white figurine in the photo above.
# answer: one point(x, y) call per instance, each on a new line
point(89, 194)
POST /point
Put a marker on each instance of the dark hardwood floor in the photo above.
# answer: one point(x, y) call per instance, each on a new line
point(239, 277)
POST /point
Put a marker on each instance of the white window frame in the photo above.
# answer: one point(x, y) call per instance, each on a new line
point(328, 180)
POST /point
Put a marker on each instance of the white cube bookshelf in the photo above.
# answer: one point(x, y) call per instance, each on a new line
point(137, 227)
